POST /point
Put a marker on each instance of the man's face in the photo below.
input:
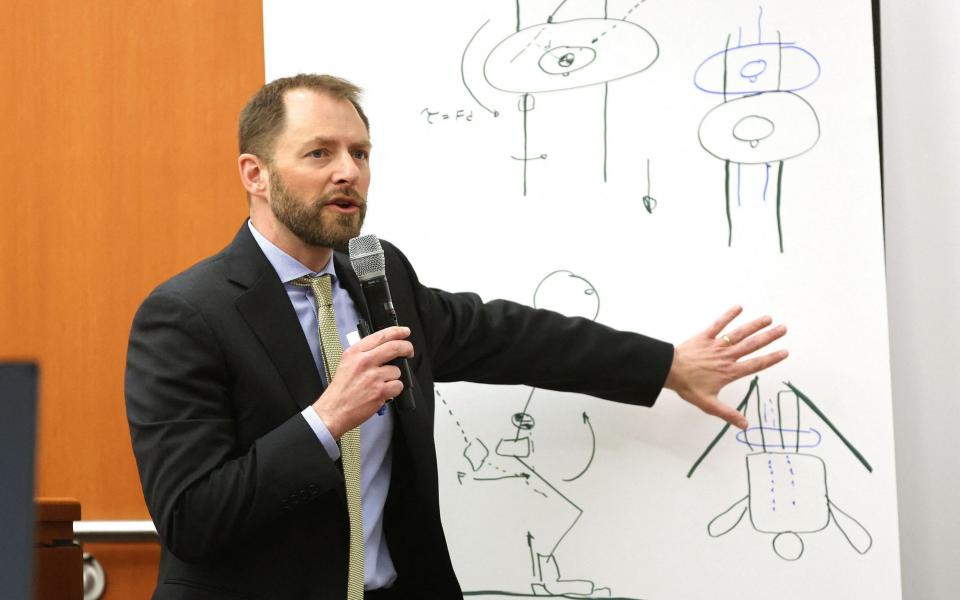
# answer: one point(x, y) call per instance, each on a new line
point(320, 170)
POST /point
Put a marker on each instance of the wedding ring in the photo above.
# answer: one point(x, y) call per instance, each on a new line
point(726, 340)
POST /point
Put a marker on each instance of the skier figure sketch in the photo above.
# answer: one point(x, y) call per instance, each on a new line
point(786, 488)
point(762, 121)
point(576, 44)
point(515, 468)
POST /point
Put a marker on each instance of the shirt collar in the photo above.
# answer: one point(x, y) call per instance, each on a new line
point(287, 267)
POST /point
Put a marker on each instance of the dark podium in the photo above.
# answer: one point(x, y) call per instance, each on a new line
point(38, 556)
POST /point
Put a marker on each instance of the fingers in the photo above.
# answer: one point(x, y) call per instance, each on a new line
point(755, 365)
point(732, 416)
point(705, 364)
point(724, 320)
point(381, 337)
point(744, 331)
point(389, 384)
point(758, 341)
point(381, 347)
point(392, 389)
point(388, 373)
point(359, 388)
point(713, 406)
point(388, 351)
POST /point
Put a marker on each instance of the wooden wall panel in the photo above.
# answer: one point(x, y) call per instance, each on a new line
point(118, 146)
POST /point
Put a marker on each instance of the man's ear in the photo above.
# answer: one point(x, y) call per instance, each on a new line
point(253, 174)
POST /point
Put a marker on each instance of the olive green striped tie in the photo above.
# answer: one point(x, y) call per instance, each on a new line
point(350, 442)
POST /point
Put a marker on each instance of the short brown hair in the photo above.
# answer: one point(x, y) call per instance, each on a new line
point(263, 117)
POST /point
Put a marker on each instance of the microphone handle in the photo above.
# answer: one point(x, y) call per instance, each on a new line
point(383, 315)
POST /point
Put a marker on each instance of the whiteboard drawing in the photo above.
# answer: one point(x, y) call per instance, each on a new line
point(787, 493)
point(550, 512)
point(649, 202)
point(643, 520)
point(762, 121)
point(558, 55)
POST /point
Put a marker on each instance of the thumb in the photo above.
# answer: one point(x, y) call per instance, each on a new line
point(733, 417)
point(715, 407)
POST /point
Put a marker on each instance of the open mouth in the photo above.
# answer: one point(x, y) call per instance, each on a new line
point(343, 203)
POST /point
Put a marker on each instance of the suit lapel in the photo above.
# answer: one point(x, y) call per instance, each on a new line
point(266, 309)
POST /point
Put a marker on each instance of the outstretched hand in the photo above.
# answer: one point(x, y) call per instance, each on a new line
point(707, 362)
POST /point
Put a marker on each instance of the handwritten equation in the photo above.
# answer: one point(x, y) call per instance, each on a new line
point(434, 117)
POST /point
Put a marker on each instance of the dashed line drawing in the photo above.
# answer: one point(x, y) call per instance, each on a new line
point(762, 121)
point(556, 55)
point(511, 463)
point(787, 491)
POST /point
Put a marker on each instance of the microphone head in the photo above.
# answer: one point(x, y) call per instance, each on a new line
point(366, 257)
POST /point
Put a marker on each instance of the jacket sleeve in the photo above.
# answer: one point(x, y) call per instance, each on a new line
point(203, 488)
point(502, 342)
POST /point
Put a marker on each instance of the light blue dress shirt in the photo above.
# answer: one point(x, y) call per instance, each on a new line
point(375, 433)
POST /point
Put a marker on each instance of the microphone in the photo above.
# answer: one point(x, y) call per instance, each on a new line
point(366, 258)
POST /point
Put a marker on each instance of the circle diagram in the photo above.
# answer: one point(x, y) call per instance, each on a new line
point(568, 294)
point(550, 57)
point(760, 129)
point(753, 68)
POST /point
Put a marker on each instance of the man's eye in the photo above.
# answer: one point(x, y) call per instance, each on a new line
point(361, 154)
point(317, 153)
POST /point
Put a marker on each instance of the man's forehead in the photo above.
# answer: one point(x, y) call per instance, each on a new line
point(304, 96)
point(311, 109)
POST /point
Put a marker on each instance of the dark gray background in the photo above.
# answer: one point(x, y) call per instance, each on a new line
point(18, 399)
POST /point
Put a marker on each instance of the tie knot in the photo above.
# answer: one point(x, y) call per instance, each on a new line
point(322, 290)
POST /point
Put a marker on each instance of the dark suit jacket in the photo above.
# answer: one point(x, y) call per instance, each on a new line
point(246, 501)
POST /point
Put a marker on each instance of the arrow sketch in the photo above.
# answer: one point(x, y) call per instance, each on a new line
point(511, 464)
point(593, 448)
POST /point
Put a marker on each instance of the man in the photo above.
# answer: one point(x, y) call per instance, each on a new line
point(234, 415)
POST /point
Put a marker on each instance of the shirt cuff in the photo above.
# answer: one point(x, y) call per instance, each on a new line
point(322, 433)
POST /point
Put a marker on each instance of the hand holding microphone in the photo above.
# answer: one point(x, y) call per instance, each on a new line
point(365, 380)
point(366, 257)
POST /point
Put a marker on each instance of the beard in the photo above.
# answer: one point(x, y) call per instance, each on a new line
point(310, 222)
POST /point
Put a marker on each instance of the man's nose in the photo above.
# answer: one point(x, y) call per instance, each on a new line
point(346, 168)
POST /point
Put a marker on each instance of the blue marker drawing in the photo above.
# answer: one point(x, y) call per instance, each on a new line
point(762, 119)
point(802, 506)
